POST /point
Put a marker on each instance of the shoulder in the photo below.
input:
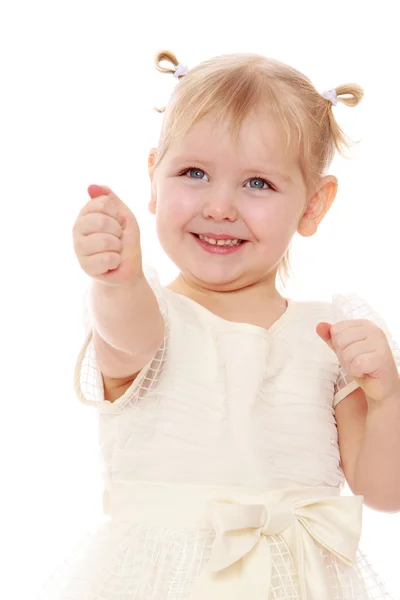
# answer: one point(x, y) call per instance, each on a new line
point(308, 313)
point(339, 307)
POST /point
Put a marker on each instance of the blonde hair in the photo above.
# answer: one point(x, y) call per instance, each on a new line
point(232, 86)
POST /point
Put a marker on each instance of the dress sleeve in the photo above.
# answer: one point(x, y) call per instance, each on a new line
point(89, 386)
point(348, 307)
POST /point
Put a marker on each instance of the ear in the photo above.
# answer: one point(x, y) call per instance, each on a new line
point(151, 163)
point(318, 205)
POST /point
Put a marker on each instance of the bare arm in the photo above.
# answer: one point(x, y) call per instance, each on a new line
point(377, 470)
point(128, 327)
point(369, 438)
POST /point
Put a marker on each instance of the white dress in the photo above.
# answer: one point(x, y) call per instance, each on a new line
point(222, 474)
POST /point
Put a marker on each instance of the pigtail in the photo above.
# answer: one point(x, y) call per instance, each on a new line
point(165, 55)
point(349, 94)
point(177, 70)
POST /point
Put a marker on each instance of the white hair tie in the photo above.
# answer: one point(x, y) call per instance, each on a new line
point(331, 95)
point(181, 70)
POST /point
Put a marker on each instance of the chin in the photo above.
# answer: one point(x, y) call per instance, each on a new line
point(223, 274)
point(217, 279)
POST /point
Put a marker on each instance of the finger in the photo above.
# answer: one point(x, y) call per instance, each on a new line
point(97, 223)
point(324, 331)
point(96, 243)
point(98, 190)
point(343, 325)
point(352, 352)
point(349, 336)
point(101, 263)
point(108, 205)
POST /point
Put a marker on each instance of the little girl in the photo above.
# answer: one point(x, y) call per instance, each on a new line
point(221, 403)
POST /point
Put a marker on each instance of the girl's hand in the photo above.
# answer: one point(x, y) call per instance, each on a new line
point(107, 238)
point(363, 351)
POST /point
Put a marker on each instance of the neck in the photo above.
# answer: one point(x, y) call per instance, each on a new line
point(254, 303)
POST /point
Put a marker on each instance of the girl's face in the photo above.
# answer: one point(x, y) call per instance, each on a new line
point(251, 192)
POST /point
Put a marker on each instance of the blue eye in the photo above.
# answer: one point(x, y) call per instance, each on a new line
point(195, 173)
point(261, 181)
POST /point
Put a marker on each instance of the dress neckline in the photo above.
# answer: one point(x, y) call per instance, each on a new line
point(249, 327)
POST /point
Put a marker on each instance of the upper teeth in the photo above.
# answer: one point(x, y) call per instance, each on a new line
point(219, 242)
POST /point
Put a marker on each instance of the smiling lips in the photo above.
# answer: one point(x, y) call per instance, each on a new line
point(218, 243)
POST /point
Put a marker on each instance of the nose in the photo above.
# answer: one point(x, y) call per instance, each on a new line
point(219, 205)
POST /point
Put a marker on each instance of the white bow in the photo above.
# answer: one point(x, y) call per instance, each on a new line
point(241, 564)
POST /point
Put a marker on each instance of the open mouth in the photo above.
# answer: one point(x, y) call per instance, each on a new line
point(214, 242)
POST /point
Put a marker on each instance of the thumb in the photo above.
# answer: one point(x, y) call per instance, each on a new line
point(324, 332)
point(98, 190)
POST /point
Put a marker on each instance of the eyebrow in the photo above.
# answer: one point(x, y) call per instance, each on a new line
point(260, 170)
point(270, 173)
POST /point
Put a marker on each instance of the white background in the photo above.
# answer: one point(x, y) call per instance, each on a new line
point(77, 91)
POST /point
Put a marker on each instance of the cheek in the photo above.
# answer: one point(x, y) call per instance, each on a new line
point(273, 225)
point(174, 208)
point(270, 219)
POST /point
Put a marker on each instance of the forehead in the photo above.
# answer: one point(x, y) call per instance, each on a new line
point(258, 140)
